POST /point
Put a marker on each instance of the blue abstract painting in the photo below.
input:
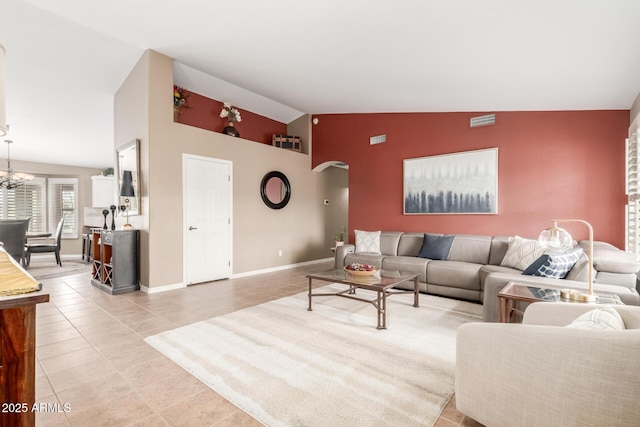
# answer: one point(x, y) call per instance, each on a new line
point(457, 183)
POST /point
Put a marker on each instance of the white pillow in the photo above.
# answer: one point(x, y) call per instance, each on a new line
point(599, 319)
point(368, 241)
point(521, 253)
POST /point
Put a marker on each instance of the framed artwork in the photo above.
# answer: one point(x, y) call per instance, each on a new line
point(457, 183)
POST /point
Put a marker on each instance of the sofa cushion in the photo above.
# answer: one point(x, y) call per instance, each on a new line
point(485, 270)
point(580, 270)
point(389, 242)
point(436, 247)
point(499, 247)
point(607, 257)
point(367, 241)
point(407, 263)
point(554, 264)
point(521, 253)
point(470, 248)
point(599, 319)
point(364, 258)
point(410, 243)
point(455, 274)
point(628, 280)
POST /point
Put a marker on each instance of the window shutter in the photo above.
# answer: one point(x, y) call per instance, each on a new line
point(26, 201)
point(63, 204)
point(632, 209)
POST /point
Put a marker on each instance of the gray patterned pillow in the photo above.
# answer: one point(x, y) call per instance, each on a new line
point(521, 253)
point(368, 241)
point(555, 265)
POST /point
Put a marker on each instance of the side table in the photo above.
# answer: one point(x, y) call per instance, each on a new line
point(509, 296)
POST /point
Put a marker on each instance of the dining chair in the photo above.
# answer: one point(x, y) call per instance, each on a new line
point(13, 235)
point(38, 248)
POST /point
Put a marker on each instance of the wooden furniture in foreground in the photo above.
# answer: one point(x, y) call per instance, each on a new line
point(17, 343)
point(115, 261)
point(514, 292)
point(381, 283)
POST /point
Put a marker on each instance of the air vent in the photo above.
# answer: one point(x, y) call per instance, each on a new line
point(377, 139)
point(483, 120)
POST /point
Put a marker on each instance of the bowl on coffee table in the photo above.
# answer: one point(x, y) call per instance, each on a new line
point(358, 269)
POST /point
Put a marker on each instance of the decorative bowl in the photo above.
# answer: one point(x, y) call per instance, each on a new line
point(362, 272)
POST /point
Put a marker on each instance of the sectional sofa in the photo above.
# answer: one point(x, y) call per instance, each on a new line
point(474, 268)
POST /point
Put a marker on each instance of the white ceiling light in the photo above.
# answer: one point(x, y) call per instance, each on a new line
point(3, 117)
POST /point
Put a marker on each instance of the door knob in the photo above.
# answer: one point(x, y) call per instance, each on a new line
point(193, 228)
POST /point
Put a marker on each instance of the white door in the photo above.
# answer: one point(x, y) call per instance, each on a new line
point(207, 218)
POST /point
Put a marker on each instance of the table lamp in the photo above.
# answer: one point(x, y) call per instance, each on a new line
point(126, 191)
point(559, 239)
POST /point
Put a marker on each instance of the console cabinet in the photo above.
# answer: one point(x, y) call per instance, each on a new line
point(115, 261)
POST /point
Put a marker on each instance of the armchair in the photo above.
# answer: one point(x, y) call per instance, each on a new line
point(540, 373)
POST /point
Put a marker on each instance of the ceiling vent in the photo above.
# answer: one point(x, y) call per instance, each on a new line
point(377, 139)
point(483, 120)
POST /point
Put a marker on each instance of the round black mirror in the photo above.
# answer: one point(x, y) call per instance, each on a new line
point(275, 190)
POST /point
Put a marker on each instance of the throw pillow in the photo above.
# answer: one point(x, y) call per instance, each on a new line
point(521, 253)
point(368, 241)
point(600, 319)
point(436, 247)
point(555, 265)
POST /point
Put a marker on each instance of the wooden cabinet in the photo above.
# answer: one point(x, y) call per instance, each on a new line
point(115, 261)
point(103, 191)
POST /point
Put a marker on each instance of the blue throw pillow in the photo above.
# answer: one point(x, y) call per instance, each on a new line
point(555, 265)
point(436, 247)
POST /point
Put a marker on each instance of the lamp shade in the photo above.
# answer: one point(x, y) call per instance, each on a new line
point(555, 238)
point(126, 190)
point(3, 117)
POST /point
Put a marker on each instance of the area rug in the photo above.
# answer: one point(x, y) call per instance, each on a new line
point(46, 268)
point(286, 366)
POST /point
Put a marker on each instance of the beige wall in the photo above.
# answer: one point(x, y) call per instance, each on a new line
point(143, 109)
point(68, 246)
point(302, 127)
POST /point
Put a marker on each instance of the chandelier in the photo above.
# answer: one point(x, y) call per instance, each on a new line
point(10, 179)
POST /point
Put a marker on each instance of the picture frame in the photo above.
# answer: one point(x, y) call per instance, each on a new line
point(455, 183)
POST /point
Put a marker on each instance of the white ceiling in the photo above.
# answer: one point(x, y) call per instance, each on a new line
point(281, 58)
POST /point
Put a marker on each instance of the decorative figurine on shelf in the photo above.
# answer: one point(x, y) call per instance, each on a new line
point(232, 114)
point(113, 216)
point(105, 212)
point(180, 96)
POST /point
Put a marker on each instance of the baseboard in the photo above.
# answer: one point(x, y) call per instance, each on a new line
point(165, 288)
point(157, 289)
point(51, 256)
point(279, 268)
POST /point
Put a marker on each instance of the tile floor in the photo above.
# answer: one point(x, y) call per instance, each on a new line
point(91, 357)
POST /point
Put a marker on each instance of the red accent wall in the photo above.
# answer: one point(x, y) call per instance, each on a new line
point(566, 164)
point(204, 113)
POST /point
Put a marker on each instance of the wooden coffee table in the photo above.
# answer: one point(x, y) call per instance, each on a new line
point(381, 283)
point(514, 292)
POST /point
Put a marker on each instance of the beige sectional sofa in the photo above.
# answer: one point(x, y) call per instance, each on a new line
point(473, 270)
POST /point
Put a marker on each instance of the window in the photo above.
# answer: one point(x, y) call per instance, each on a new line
point(63, 203)
point(632, 213)
point(26, 201)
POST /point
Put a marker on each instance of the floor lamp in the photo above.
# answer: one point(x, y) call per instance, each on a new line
point(559, 239)
point(126, 191)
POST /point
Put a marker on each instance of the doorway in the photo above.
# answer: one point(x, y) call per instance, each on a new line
point(207, 212)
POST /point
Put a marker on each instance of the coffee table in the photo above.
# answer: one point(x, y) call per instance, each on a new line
point(381, 283)
point(514, 292)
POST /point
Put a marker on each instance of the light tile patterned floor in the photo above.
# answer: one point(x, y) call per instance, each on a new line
point(91, 357)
